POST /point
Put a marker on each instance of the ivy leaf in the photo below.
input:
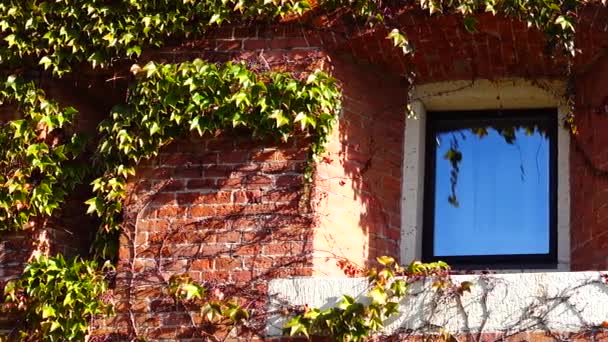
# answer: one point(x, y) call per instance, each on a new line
point(54, 326)
point(191, 291)
point(400, 40)
point(280, 118)
point(385, 260)
point(68, 300)
point(154, 128)
point(301, 117)
point(134, 50)
point(399, 288)
point(378, 295)
point(215, 18)
point(296, 327)
point(391, 308)
point(150, 69)
point(48, 312)
point(45, 61)
point(565, 22)
point(470, 24)
point(239, 314)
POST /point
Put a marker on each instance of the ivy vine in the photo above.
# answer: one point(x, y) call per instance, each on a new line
point(351, 320)
point(39, 151)
point(61, 34)
point(58, 297)
point(171, 100)
point(355, 320)
point(37, 158)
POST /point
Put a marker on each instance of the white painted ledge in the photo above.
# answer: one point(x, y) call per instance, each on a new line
point(498, 303)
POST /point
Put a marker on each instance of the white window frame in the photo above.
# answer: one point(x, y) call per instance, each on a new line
point(478, 95)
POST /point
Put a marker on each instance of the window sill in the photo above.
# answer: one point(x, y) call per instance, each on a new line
point(557, 302)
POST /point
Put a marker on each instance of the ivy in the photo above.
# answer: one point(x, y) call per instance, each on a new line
point(350, 321)
point(353, 320)
point(213, 306)
point(37, 158)
point(59, 297)
point(556, 18)
point(61, 34)
point(171, 100)
point(38, 154)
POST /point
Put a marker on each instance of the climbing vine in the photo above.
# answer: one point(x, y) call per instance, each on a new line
point(61, 34)
point(40, 155)
point(170, 100)
point(215, 309)
point(353, 320)
point(37, 158)
point(59, 298)
point(350, 320)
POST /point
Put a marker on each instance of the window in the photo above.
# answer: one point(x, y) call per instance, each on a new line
point(491, 104)
point(490, 188)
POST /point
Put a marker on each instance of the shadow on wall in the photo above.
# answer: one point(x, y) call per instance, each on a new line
point(507, 307)
point(526, 307)
point(367, 165)
point(358, 185)
point(229, 212)
point(71, 230)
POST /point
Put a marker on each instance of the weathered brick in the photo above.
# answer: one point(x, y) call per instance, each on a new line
point(194, 198)
point(170, 211)
point(289, 181)
point(188, 172)
point(231, 236)
point(259, 262)
point(227, 263)
point(233, 157)
point(250, 196)
point(242, 276)
point(201, 183)
point(256, 44)
point(202, 211)
point(202, 264)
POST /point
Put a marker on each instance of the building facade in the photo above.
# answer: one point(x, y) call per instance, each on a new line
point(236, 214)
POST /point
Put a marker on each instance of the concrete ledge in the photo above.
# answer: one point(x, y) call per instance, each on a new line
point(498, 303)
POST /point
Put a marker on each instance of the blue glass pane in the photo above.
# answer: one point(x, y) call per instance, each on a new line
point(502, 190)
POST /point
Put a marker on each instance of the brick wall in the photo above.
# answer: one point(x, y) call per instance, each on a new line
point(229, 211)
point(588, 158)
point(233, 212)
point(589, 172)
point(358, 183)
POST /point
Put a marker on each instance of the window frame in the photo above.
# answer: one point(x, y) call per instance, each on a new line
point(480, 94)
point(464, 119)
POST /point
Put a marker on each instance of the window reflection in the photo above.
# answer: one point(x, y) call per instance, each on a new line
point(491, 191)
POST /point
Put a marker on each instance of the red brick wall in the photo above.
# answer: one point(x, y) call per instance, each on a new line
point(232, 211)
point(228, 210)
point(358, 185)
point(589, 157)
point(589, 171)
